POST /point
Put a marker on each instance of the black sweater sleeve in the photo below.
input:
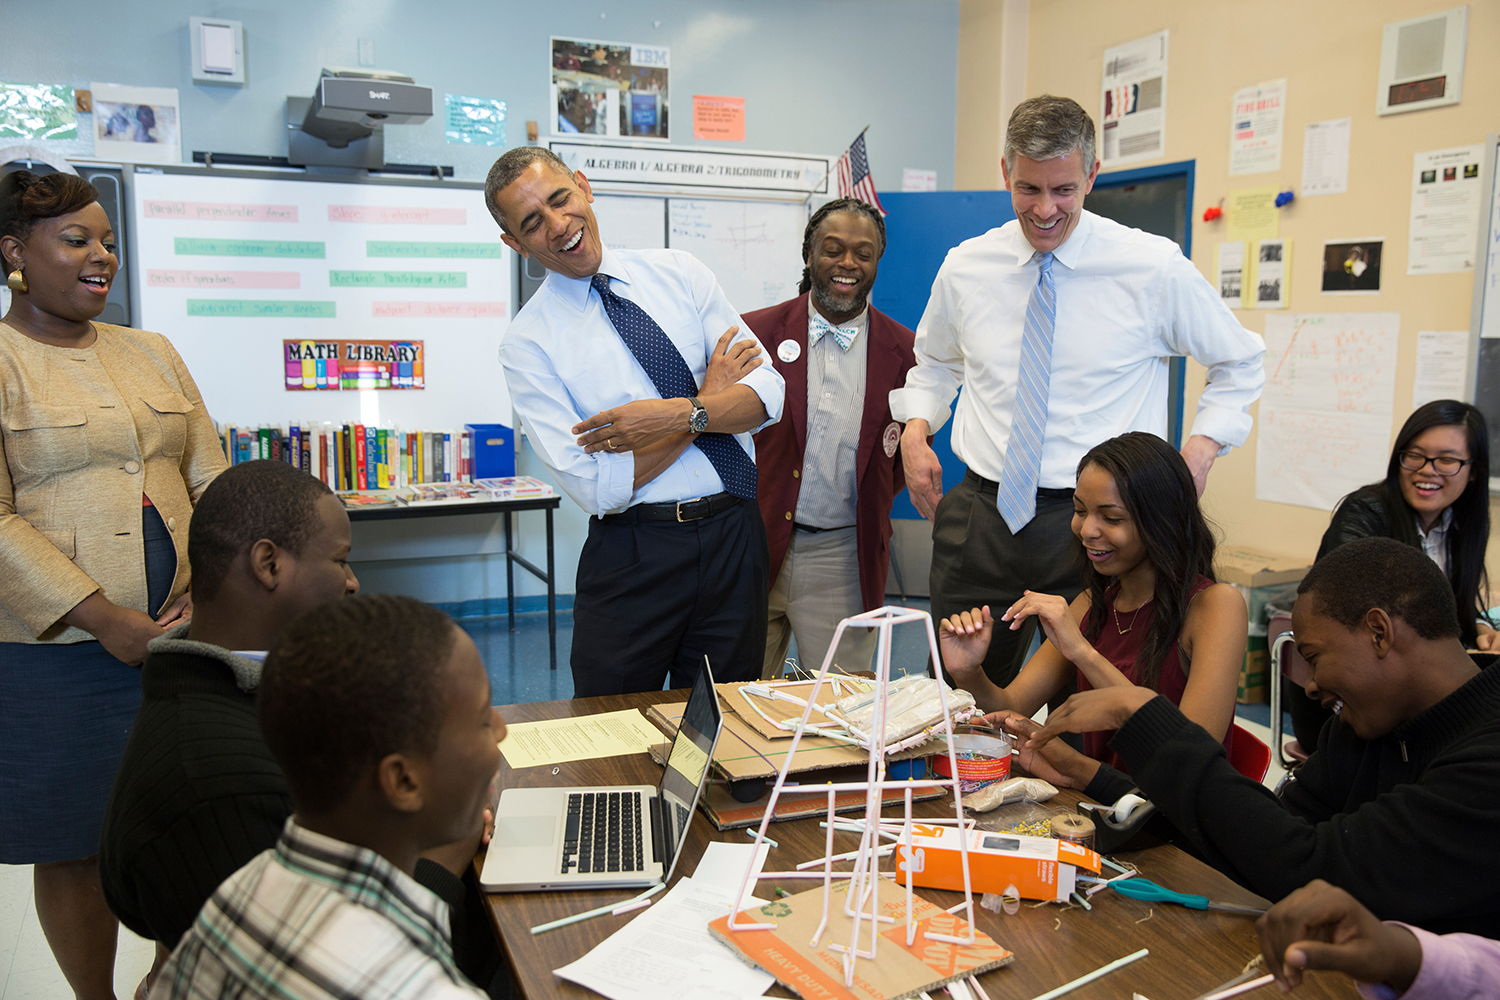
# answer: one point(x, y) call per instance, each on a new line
point(1410, 854)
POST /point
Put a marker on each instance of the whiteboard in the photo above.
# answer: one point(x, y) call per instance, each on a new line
point(229, 265)
point(631, 223)
point(754, 248)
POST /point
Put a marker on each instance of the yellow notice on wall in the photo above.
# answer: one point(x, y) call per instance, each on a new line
point(1250, 214)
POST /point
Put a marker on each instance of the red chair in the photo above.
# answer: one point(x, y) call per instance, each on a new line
point(1249, 755)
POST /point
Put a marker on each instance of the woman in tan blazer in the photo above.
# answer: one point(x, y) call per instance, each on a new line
point(104, 447)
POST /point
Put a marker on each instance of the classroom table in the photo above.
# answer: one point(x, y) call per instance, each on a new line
point(507, 509)
point(1191, 951)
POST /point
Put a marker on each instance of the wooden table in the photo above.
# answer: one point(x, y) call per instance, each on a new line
point(506, 509)
point(1191, 951)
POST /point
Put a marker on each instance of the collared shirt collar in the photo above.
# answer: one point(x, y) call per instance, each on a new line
point(575, 291)
point(368, 879)
point(1068, 254)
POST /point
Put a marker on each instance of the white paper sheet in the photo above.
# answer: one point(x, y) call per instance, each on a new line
point(1325, 414)
point(1445, 196)
point(723, 866)
point(1273, 273)
point(1231, 273)
point(667, 953)
point(1133, 101)
point(1256, 117)
point(1325, 157)
point(1442, 362)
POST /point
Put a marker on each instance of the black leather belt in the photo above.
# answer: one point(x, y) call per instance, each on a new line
point(990, 486)
point(682, 510)
point(807, 527)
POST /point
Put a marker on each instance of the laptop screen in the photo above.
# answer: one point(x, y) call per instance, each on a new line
point(687, 763)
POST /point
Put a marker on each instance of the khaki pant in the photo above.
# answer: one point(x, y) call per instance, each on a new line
point(818, 587)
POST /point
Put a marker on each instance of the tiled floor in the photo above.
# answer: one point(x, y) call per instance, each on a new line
point(519, 673)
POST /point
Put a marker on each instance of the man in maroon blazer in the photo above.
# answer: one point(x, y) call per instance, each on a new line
point(830, 468)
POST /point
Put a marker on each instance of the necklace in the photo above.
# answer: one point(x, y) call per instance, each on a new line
point(1127, 628)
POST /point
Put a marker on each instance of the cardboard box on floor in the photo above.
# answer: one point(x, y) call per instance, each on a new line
point(1260, 577)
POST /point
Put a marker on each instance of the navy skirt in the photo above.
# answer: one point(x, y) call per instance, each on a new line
point(65, 714)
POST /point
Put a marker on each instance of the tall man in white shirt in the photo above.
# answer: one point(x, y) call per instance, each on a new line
point(639, 392)
point(1059, 325)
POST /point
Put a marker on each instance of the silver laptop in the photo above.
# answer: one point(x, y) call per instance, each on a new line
point(610, 836)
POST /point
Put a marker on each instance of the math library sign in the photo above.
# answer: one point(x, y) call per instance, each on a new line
point(354, 364)
point(620, 164)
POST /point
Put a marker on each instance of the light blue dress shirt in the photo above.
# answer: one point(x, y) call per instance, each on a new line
point(564, 362)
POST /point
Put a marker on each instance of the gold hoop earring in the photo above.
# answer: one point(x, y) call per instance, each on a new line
point(16, 281)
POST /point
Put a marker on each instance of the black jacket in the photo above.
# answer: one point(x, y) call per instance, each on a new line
point(1407, 823)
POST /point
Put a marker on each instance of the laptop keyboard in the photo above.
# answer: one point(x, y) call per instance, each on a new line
point(603, 833)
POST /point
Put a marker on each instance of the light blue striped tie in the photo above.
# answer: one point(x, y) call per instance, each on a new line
point(1016, 495)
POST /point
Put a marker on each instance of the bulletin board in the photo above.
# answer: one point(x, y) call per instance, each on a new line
point(230, 264)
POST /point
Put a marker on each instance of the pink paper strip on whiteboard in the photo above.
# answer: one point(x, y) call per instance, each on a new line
point(440, 310)
point(223, 279)
point(213, 211)
point(389, 213)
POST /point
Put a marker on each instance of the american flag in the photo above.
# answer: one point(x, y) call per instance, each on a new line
point(853, 170)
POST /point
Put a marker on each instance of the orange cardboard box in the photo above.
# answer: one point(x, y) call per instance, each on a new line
point(1039, 867)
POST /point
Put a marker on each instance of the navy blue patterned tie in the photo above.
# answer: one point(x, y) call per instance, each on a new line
point(674, 380)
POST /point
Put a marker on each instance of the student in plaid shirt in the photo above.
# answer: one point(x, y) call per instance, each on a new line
point(378, 710)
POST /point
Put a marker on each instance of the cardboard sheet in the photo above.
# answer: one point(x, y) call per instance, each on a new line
point(744, 753)
point(896, 971)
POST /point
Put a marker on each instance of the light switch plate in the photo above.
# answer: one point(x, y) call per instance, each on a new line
point(218, 50)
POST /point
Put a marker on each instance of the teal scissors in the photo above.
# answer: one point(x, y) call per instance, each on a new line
point(1144, 889)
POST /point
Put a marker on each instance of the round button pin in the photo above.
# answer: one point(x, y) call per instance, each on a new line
point(789, 351)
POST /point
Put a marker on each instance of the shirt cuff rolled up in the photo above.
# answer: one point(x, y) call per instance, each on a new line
point(1228, 427)
point(912, 404)
point(766, 384)
point(616, 482)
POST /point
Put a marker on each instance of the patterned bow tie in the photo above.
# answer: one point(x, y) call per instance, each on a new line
point(842, 335)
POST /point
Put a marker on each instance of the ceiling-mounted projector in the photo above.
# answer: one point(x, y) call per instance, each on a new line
point(341, 125)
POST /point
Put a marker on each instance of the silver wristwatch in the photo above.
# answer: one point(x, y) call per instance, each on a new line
point(698, 422)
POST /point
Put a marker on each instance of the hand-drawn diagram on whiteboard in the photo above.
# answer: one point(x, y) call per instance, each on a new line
point(1325, 414)
point(754, 248)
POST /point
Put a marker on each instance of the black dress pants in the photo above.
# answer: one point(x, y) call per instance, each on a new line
point(977, 561)
point(655, 597)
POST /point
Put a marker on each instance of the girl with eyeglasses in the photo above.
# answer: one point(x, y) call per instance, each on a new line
point(1435, 496)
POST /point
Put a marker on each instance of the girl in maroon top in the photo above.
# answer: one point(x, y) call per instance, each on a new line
point(1150, 614)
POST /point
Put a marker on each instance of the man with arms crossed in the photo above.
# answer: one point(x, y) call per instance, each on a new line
point(639, 392)
point(1060, 326)
point(828, 472)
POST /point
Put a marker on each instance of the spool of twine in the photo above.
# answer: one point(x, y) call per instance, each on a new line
point(1074, 828)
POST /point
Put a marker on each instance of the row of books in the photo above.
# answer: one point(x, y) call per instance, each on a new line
point(478, 491)
point(356, 456)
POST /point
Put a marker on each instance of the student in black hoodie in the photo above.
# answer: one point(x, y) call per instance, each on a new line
point(198, 793)
point(1397, 805)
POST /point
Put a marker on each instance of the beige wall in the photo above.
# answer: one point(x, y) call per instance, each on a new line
point(1328, 54)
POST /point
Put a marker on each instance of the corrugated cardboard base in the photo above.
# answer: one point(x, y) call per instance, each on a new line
point(744, 753)
point(728, 813)
point(896, 971)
